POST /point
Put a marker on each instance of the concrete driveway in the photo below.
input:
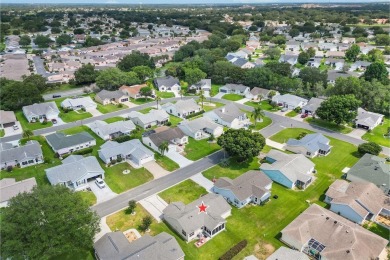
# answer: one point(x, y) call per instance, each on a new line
point(242, 101)
point(155, 206)
point(155, 169)
point(357, 133)
point(203, 181)
point(95, 112)
point(8, 131)
point(179, 159)
point(101, 194)
point(219, 95)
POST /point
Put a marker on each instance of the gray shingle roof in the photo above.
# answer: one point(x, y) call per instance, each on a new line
point(41, 108)
point(313, 104)
point(166, 81)
point(188, 217)
point(31, 149)
point(260, 91)
point(7, 117)
point(73, 168)
point(198, 124)
point(9, 188)
point(166, 136)
point(133, 147)
point(311, 142)
point(240, 62)
point(152, 116)
point(246, 185)
point(284, 253)
point(367, 118)
point(202, 83)
point(236, 87)
point(184, 106)
point(107, 129)
point(60, 140)
point(229, 112)
point(115, 246)
point(105, 94)
point(293, 166)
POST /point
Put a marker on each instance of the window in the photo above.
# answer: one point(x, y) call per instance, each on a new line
point(308, 153)
point(24, 163)
point(30, 161)
point(192, 233)
point(184, 233)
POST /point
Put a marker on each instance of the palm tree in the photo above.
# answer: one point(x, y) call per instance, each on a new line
point(181, 92)
point(158, 99)
point(163, 147)
point(257, 114)
point(202, 97)
point(27, 133)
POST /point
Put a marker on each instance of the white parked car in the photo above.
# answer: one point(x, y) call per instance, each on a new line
point(15, 127)
point(100, 183)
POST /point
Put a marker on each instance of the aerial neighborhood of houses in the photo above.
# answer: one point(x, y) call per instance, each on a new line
point(217, 165)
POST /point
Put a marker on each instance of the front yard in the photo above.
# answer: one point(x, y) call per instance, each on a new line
point(88, 196)
point(72, 116)
point(114, 119)
point(264, 122)
point(165, 94)
point(110, 108)
point(165, 162)
point(196, 150)
point(32, 126)
point(214, 89)
point(2, 133)
point(232, 97)
point(186, 192)
point(140, 101)
point(292, 113)
point(328, 125)
point(377, 134)
point(265, 105)
point(208, 106)
point(120, 182)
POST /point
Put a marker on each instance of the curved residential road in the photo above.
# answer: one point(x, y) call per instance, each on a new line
point(157, 185)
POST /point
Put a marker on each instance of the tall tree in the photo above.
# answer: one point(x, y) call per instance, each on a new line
point(339, 109)
point(46, 223)
point(113, 78)
point(63, 39)
point(135, 59)
point(143, 72)
point(257, 114)
point(158, 99)
point(352, 53)
point(378, 71)
point(202, 97)
point(193, 76)
point(146, 91)
point(310, 76)
point(86, 74)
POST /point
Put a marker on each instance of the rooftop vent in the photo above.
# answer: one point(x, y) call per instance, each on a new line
point(335, 222)
point(327, 218)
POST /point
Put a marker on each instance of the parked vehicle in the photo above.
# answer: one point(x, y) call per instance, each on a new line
point(304, 115)
point(56, 96)
point(100, 183)
point(284, 109)
point(54, 121)
point(15, 127)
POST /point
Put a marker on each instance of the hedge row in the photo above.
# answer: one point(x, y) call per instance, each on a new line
point(123, 138)
point(232, 252)
point(195, 114)
point(84, 151)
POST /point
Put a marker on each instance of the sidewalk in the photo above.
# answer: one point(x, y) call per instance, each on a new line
point(203, 181)
point(104, 229)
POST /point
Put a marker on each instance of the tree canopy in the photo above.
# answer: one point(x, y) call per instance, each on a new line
point(135, 59)
point(378, 71)
point(193, 76)
point(113, 78)
point(86, 74)
point(339, 109)
point(46, 223)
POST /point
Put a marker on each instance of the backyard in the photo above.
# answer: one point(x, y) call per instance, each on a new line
point(196, 150)
point(186, 192)
point(232, 97)
point(377, 134)
point(120, 182)
point(328, 125)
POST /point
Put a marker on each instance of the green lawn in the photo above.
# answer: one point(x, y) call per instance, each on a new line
point(260, 125)
point(120, 182)
point(377, 229)
point(186, 192)
point(88, 196)
point(174, 120)
point(207, 107)
point(2, 133)
point(140, 101)
point(196, 150)
point(232, 97)
point(32, 126)
point(165, 162)
point(328, 125)
point(62, 87)
point(146, 110)
point(292, 113)
point(376, 135)
point(265, 105)
point(72, 116)
point(165, 94)
point(114, 119)
point(104, 109)
point(285, 134)
point(214, 89)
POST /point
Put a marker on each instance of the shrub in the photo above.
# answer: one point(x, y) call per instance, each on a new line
point(120, 105)
point(84, 151)
point(119, 159)
point(46, 160)
point(113, 161)
point(168, 123)
point(56, 155)
point(195, 114)
point(232, 252)
point(122, 139)
point(9, 168)
point(131, 207)
point(370, 147)
point(146, 222)
point(301, 135)
point(297, 110)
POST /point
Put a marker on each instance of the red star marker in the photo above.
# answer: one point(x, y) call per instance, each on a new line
point(202, 207)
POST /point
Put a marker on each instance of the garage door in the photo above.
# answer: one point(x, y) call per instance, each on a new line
point(8, 124)
point(223, 90)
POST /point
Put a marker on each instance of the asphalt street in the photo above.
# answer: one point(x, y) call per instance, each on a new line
point(156, 186)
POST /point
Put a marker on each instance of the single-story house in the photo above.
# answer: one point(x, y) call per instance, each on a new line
point(7, 118)
point(285, 253)
point(79, 103)
point(229, 115)
point(314, 62)
point(204, 84)
point(167, 84)
point(113, 130)
point(41, 111)
point(336, 54)
point(182, 108)
point(238, 89)
point(357, 201)
point(368, 120)
point(133, 91)
point(106, 97)
point(291, 59)
point(200, 128)
point(75, 172)
point(250, 187)
point(154, 117)
point(63, 144)
point(322, 234)
point(371, 168)
point(9, 188)
point(334, 75)
point(116, 246)
point(190, 224)
point(311, 145)
point(289, 101)
point(360, 65)
point(131, 150)
point(258, 94)
point(293, 46)
point(311, 107)
point(289, 170)
point(174, 136)
point(22, 156)
point(242, 63)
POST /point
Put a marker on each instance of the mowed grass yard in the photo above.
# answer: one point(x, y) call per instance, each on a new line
point(265, 105)
point(72, 116)
point(32, 126)
point(232, 97)
point(376, 135)
point(186, 192)
point(197, 149)
point(328, 125)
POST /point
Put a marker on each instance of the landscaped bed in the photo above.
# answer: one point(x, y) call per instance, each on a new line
point(186, 192)
point(197, 149)
point(377, 134)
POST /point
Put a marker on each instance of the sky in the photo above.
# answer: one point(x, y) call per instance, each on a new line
point(137, 2)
